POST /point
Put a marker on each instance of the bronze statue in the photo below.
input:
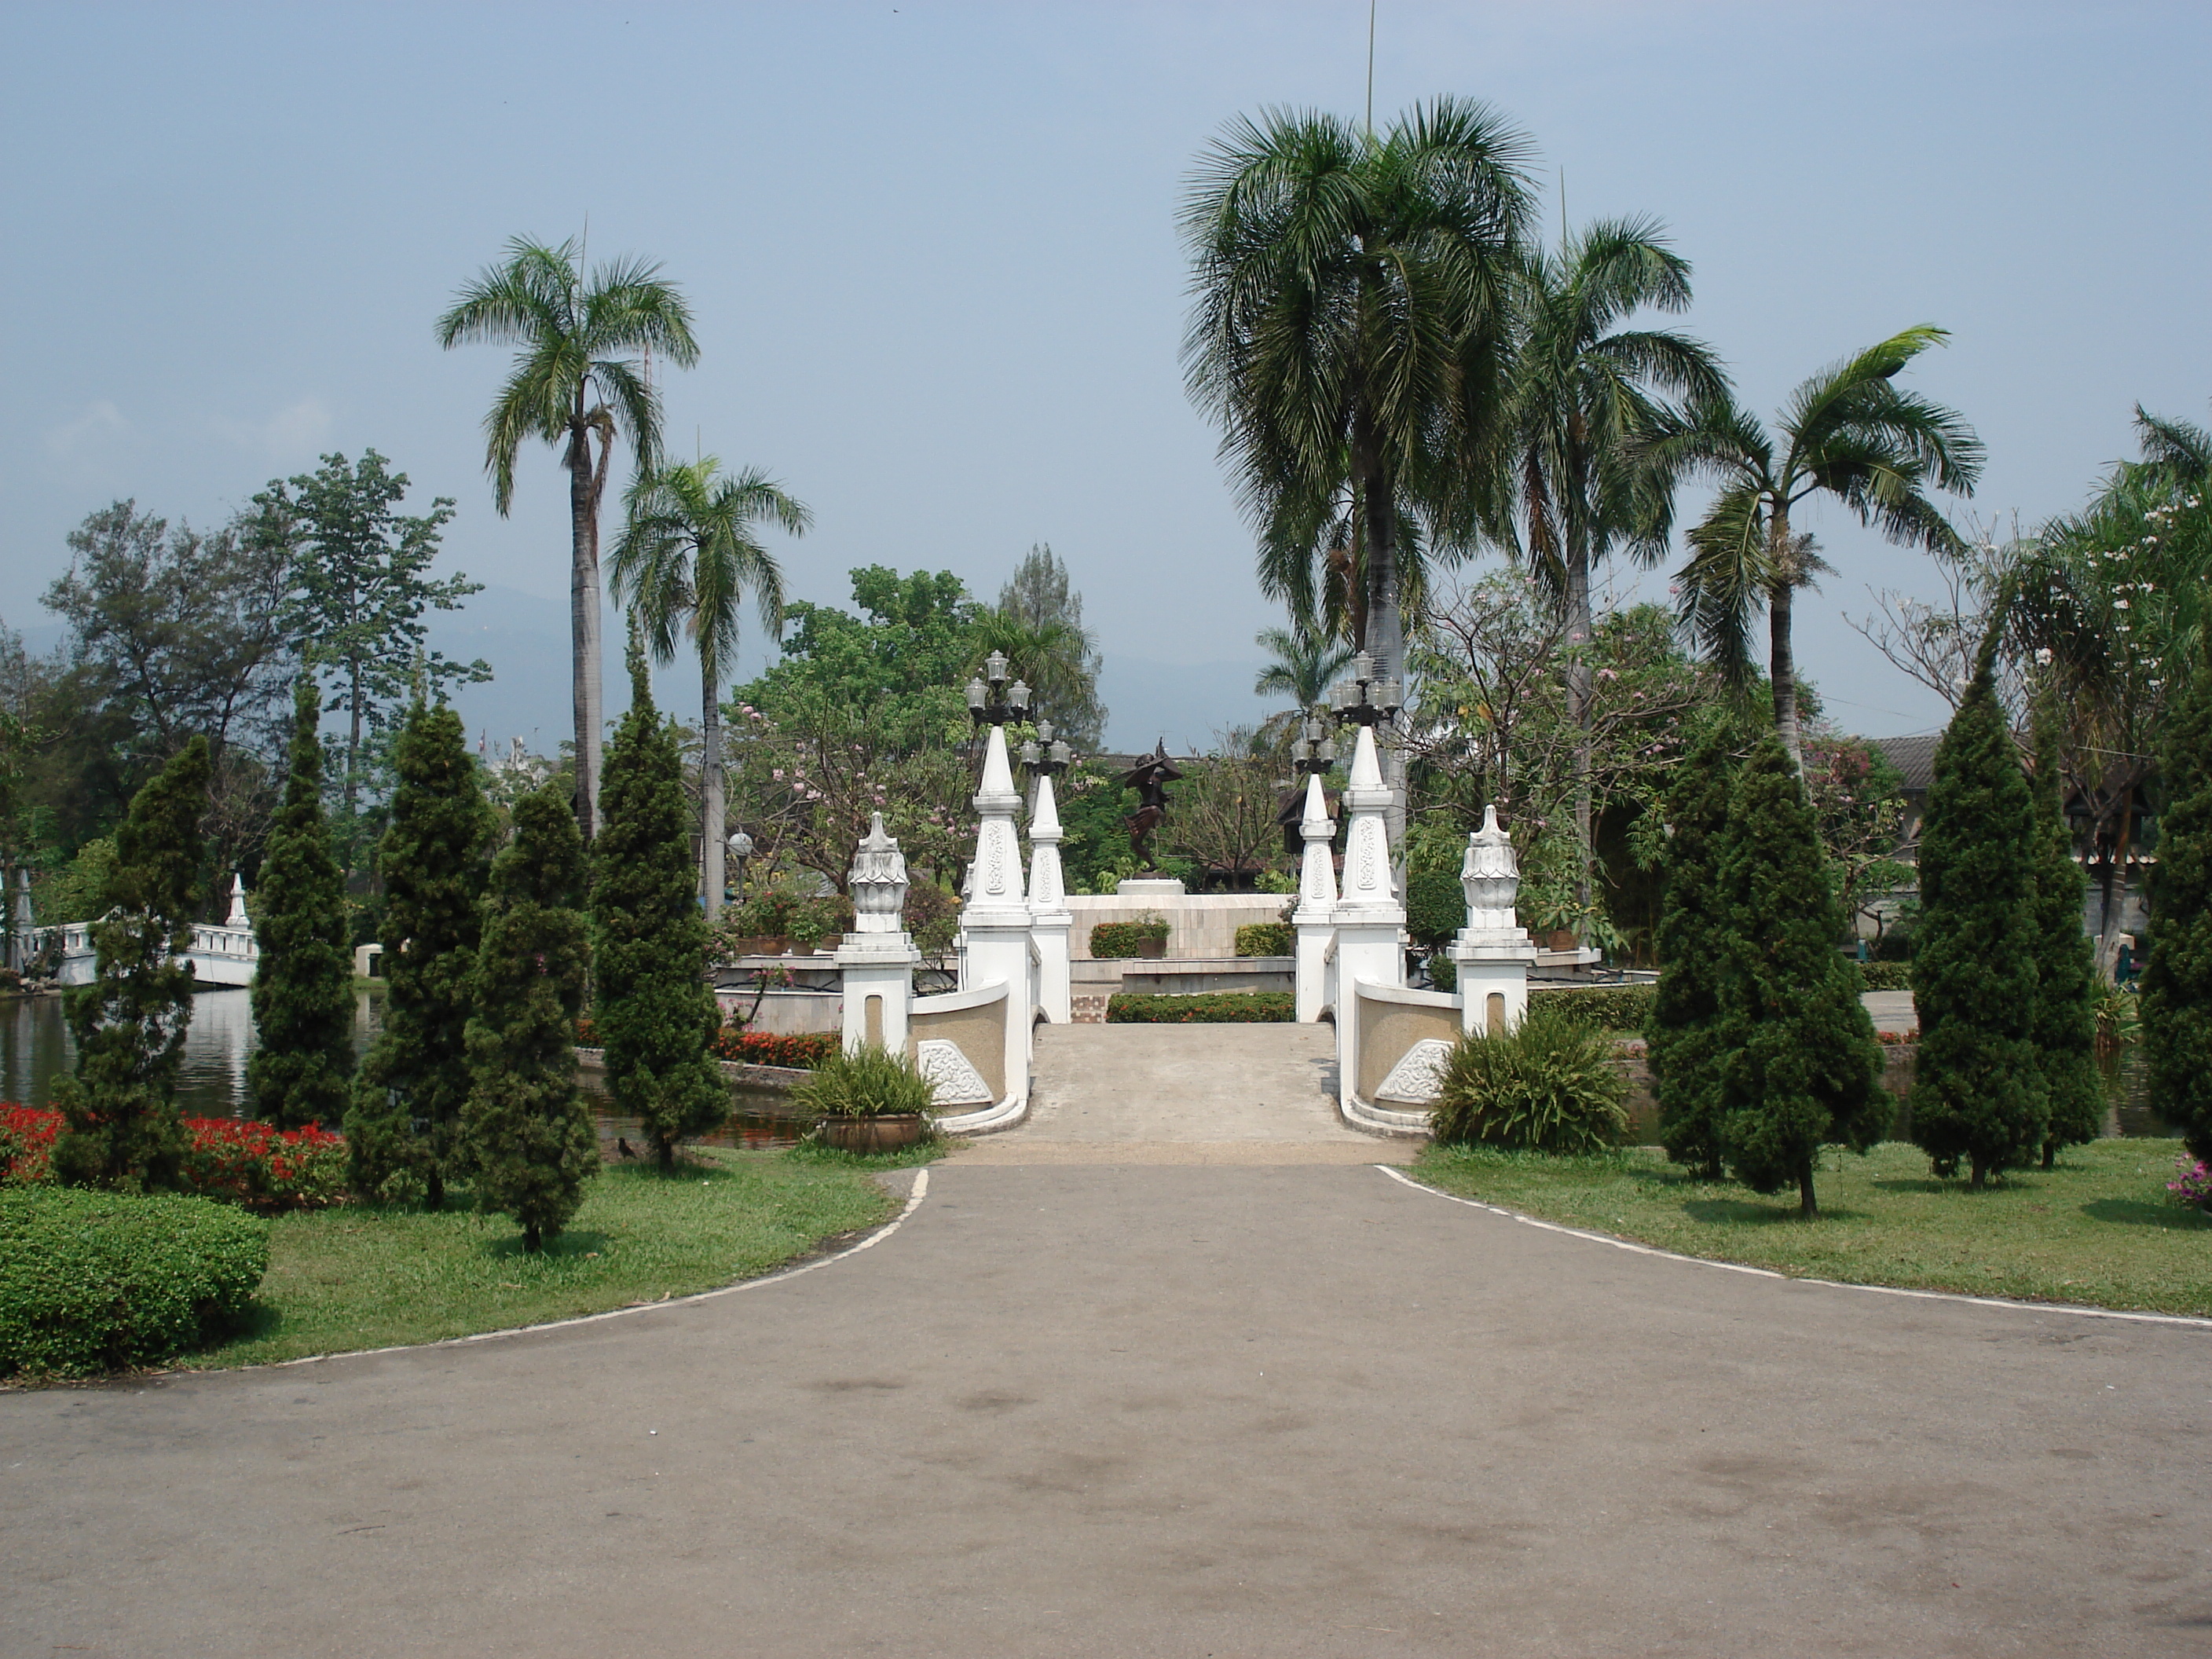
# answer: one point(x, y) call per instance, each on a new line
point(1150, 778)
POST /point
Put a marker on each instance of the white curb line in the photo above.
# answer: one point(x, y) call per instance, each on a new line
point(1791, 1278)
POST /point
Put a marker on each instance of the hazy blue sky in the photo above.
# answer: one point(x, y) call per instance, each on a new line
point(932, 254)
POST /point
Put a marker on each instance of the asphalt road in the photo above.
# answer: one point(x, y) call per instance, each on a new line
point(1189, 1411)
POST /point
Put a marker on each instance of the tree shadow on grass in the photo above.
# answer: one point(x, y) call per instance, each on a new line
point(1750, 1212)
point(571, 1246)
point(2147, 1213)
point(2012, 1181)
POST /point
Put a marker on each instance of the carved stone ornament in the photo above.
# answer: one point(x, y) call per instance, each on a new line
point(878, 882)
point(952, 1080)
point(1419, 1076)
point(1490, 876)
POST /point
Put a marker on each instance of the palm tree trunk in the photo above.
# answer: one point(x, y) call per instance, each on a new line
point(1578, 702)
point(711, 808)
point(1386, 624)
point(1782, 664)
point(584, 631)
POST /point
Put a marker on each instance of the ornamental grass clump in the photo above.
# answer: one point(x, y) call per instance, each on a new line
point(94, 1282)
point(1548, 1085)
point(869, 1081)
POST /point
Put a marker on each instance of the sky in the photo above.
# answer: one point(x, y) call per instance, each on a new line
point(933, 253)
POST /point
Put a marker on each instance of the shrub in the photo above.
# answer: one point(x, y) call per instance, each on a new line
point(92, 1282)
point(803, 1050)
point(1112, 939)
point(1885, 976)
point(2193, 1185)
point(1436, 906)
point(869, 1081)
point(263, 1168)
point(1601, 1008)
point(26, 1143)
point(1265, 938)
point(1443, 972)
point(1206, 1008)
point(1549, 1085)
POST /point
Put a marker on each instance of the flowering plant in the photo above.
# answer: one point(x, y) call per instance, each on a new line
point(253, 1164)
point(26, 1143)
point(804, 1050)
point(2194, 1189)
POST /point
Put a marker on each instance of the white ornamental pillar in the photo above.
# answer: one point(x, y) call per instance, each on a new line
point(1316, 917)
point(877, 960)
point(237, 918)
point(1049, 917)
point(996, 919)
point(1371, 923)
point(1493, 950)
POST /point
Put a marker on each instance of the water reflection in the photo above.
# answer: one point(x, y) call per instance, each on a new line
point(36, 1047)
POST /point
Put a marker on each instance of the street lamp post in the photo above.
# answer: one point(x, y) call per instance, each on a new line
point(741, 848)
point(995, 702)
point(1365, 698)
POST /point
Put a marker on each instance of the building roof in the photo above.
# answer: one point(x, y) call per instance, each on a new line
point(1913, 757)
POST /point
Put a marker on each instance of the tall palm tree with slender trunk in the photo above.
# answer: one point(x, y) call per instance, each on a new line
point(687, 557)
point(577, 382)
point(1351, 307)
point(1847, 432)
point(1585, 393)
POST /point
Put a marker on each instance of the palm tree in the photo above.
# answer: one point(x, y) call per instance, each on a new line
point(685, 560)
point(1306, 663)
point(574, 379)
point(1583, 398)
point(1352, 300)
point(1848, 432)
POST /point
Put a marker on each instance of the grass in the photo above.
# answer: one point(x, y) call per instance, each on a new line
point(357, 1277)
point(2097, 1230)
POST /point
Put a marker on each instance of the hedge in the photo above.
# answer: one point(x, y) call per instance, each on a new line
point(1601, 1008)
point(801, 1049)
point(1885, 976)
point(92, 1282)
point(1266, 938)
point(1206, 1008)
point(1113, 939)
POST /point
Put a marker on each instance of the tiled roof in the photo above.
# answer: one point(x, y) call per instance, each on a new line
point(1913, 757)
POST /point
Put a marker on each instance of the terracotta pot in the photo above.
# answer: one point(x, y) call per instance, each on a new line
point(761, 944)
point(1152, 950)
point(887, 1134)
point(1562, 938)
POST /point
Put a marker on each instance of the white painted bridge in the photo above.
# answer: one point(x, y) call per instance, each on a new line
point(223, 953)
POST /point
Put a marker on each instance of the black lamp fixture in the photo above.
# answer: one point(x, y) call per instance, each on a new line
point(1313, 751)
point(996, 702)
point(1044, 755)
point(1366, 698)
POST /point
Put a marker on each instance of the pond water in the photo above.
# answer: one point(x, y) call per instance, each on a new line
point(35, 1047)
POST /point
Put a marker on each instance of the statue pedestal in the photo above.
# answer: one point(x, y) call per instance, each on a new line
point(1149, 887)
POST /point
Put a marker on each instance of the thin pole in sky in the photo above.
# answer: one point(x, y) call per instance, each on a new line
point(1370, 68)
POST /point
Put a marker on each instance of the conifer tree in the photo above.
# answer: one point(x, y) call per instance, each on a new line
point(530, 1138)
point(2177, 983)
point(1695, 949)
point(1977, 1093)
point(302, 1071)
point(656, 1017)
point(1801, 1069)
point(2064, 1031)
point(120, 1127)
point(434, 859)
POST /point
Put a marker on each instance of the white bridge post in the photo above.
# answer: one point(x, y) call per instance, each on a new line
point(1493, 952)
point(877, 960)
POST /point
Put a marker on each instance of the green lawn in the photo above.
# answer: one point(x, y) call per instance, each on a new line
point(356, 1277)
point(2096, 1229)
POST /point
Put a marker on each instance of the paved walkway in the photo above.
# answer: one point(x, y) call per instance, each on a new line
point(1129, 1411)
point(1125, 1094)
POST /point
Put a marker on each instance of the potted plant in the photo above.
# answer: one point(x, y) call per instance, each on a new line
point(869, 1100)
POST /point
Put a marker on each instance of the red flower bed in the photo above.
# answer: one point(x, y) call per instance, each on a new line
point(26, 1143)
point(806, 1049)
point(248, 1163)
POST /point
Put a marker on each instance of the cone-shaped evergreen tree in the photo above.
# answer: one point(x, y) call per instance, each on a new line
point(2064, 1031)
point(302, 1071)
point(1802, 1067)
point(656, 1017)
point(120, 1127)
point(1695, 951)
point(433, 860)
point(2176, 983)
point(530, 1142)
point(1978, 1094)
